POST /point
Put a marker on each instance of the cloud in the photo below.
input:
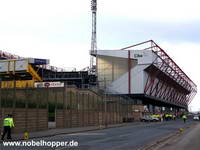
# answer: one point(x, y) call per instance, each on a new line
point(35, 9)
point(126, 30)
point(57, 30)
point(165, 11)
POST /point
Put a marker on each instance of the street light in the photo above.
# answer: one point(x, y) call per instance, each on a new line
point(105, 101)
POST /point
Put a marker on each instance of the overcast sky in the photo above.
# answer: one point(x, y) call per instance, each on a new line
point(60, 30)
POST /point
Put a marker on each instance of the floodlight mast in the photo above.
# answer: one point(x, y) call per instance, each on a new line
point(93, 40)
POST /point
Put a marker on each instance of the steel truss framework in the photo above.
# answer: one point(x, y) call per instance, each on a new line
point(166, 80)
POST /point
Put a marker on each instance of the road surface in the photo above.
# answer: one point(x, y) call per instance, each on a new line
point(130, 137)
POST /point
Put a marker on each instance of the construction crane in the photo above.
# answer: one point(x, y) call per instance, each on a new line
point(93, 40)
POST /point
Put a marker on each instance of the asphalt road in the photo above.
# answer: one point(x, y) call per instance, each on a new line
point(129, 137)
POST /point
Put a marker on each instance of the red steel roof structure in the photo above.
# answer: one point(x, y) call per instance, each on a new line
point(166, 80)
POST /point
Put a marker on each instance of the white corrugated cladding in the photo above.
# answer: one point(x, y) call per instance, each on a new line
point(113, 71)
point(13, 65)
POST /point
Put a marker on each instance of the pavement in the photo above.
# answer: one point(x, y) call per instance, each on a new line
point(130, 137)
point(188, 140)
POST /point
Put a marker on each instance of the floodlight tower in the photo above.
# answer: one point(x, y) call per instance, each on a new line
point(93, 40)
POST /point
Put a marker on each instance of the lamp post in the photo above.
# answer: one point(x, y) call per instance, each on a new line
point(0, 94)
point(105, 102)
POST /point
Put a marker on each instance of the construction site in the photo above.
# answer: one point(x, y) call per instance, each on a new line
point(119, 86)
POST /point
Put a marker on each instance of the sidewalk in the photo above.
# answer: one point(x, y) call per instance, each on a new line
point(185, 139)
point(53, 132)
point(188, 141)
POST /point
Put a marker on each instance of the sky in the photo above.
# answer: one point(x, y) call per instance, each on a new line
point(60, 30)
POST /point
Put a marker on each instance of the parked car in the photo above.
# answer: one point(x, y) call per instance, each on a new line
point(196, 117)
point(146, 118)
point(155, 119)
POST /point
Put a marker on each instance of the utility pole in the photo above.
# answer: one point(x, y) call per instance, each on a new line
point(93, 40)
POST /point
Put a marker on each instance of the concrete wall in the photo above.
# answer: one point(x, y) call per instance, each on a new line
point(138, 79)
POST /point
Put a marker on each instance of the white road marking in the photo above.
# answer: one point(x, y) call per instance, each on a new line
point(85, 133)
point(63, 148)
point(123, 135)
